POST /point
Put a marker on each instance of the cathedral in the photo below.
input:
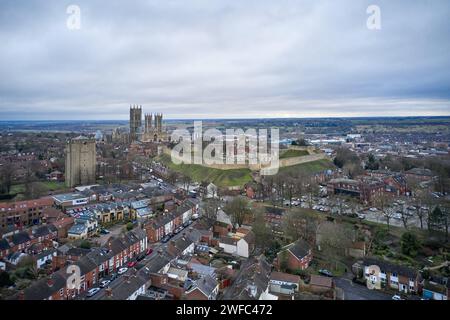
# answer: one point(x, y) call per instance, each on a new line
point(150, 131)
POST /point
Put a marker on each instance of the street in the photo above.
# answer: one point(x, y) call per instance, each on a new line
point(354, 291)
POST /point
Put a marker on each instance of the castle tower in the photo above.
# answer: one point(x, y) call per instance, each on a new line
point(148, 123)
point(80, 161)
point(135, 121)
point(158, 122)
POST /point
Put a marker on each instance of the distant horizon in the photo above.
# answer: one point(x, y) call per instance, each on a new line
point(231, 119)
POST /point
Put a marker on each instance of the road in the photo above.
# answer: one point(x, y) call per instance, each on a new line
point(354, 291)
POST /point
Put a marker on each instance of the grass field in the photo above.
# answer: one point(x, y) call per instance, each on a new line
point(308, 167)
point(293, 153)
point(221, 178)
point(43, 186)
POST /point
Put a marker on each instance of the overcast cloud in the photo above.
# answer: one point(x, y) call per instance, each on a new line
point(233, 59)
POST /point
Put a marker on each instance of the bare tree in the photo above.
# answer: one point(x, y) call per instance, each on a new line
point(211, 208)
point(404, 216)
point(186, 180)
point(6, 176)
point(383, 202)
point(300, 223)
point(334, 240)
point(238, 209)
point(260, 229)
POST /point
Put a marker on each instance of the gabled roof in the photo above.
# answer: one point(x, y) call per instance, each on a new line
point(86, 265)
point(99, 255)
point(20, 238)
point(299, 248)
point(43, 289)
point(42, 231)
point(128, 286)
point(389, 267)
point(158, 262)
point(205, 284)
point(4, 244)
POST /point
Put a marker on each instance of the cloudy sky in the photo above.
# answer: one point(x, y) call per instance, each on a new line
point(215, 59)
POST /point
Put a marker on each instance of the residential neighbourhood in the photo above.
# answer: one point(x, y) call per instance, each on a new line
point(223, 155)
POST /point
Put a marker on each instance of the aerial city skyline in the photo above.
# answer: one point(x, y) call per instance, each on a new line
point(235, 153)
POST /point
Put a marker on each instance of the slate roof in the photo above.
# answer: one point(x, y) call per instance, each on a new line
point(388, 267)
point(41, 290)
point(21, 237)
point(126, 288)
point(299, 248)
point(99, 255)
point(205, 284)
point(4, 244)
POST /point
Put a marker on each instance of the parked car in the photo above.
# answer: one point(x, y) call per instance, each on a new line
point(165, 239)
point(131, 264)
point(122, 270)
point(104, 283)
point(149, 251)
point(92, 292)
point(325, 272)
point(113, 276)
point(140, 257)
point(104, 231)
point(396, 297)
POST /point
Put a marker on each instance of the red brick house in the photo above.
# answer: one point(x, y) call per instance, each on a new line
point(23, 213)
point(295, 256)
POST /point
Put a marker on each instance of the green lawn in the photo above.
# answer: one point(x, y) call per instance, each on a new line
point(293, 153)
point(45, 186)
point(221, 178)
point(309, 167)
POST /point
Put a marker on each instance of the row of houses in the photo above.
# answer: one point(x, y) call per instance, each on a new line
point(381, 274)
point(168, 222)
point(93, 265)
point(32, 240)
